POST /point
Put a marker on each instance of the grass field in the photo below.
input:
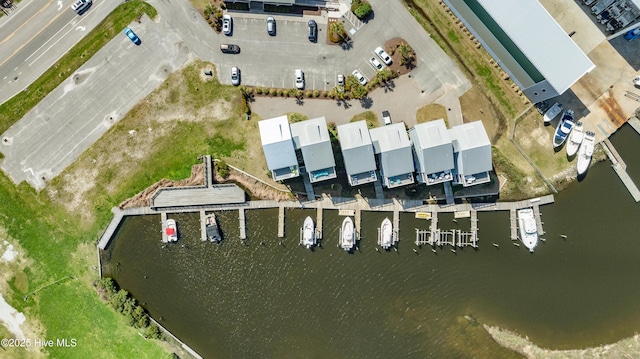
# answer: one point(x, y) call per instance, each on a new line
point(56, 243)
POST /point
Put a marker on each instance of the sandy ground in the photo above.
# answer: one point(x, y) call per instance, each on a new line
point(12, 265)
point(626, 348)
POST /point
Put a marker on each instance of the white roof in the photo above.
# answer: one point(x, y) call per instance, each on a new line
point(274, 130)
point(526, 42)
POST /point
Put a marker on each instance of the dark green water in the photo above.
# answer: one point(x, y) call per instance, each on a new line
point(250, 300)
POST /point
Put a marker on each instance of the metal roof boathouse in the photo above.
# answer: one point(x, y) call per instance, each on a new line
point(311, 137)
point(527, 43)
point(393, 149)
point(433, 152)
point(357, 153)
point(278, 148)
point(471, 154)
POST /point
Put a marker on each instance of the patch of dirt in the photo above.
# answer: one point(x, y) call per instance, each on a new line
point(431, 112)
point(396, 66)
point(76, 185)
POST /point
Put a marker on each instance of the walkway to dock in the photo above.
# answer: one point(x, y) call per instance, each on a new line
point(347, 206)
point(308, 187)
point(621, 169)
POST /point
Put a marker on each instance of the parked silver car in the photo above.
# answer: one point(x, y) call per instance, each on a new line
point(235, 76)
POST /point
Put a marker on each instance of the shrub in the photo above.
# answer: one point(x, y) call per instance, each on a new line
point(316, 93)
point(281, 92)
point(309, 94)
point(273, 92)
point(259, 91)
point(153, 332)
point(361, 8)
point(222, 168)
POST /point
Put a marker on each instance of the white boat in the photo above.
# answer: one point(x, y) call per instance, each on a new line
point(528, 228)
point(575, 139)
point(565, 125)
point(347, 235)
point(552, 112)
point(386, 234)
point(308, 238)
point(213, 233)
point(171, 230)
point(585, 152)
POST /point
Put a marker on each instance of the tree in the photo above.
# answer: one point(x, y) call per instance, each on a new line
point(337, 32)
point(406, 52)
point(153, 332)
point(363, 10)
point(358, 91)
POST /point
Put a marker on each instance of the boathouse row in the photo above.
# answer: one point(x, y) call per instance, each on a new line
point(428, 153)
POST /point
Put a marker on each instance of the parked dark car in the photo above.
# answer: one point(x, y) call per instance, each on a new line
point(313, 31)
point(230, 48)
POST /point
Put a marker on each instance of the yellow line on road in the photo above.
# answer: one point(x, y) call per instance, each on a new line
point(36, 34)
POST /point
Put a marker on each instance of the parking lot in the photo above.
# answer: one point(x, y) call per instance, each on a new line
point(74, 115)
point(270, 61)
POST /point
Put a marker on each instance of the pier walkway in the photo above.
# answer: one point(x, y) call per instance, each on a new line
point(347, 206)
point(621, 169)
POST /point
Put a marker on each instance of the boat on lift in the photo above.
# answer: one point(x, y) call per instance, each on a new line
point(347, 235)
point(575, 139)
point(585, 152)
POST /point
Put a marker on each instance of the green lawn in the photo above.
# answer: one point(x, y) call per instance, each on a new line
point(51, 237)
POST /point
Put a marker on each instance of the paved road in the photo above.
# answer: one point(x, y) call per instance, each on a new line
point(36, 34)
point(77, 113)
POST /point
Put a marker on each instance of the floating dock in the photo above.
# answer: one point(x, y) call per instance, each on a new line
point(163, 220)
point(514, 224)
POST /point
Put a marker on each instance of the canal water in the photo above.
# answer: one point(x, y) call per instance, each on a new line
point(265, 299)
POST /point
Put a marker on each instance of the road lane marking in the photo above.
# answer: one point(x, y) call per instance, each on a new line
point(18, 29)
point(13, 15)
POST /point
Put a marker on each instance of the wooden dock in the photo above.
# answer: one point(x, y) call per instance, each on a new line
point(163, 221)
point(203, 226)
point(514, 224)
point(281, 221)
point(319, 222)
point(111, 228)
point(208, 172)
point(396, 222)
point(474, 226)
point(621, 169)
point(538, 217)
point(243, 225)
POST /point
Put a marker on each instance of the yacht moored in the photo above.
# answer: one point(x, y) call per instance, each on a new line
point(171, 230)
point(308, 233)
point(385, 236)
point(347, 235)
point(528, 228)
point(213, 233)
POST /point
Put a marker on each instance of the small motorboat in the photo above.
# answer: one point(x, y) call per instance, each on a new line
point(213, 233)
point(171, 230)
point(585, 152)
point(385, 239)
point(565, 125)
point(347, 235)
point(308, 235)
point(552, 112)
point(575, 139)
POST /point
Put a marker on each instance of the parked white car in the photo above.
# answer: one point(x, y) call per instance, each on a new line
point(299, 79)
point(235, 76)
point(360, 77)
point(383, 55)
point(376, 64)
point(227, 23)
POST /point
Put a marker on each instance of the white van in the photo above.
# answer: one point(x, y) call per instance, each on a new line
point(81, 6)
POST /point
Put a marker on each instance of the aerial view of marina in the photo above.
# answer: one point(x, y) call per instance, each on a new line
point(319, 178)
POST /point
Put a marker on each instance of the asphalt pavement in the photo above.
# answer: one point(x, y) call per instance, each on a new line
point(79, 111)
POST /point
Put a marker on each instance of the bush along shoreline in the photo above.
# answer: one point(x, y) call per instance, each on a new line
point(121, 301)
